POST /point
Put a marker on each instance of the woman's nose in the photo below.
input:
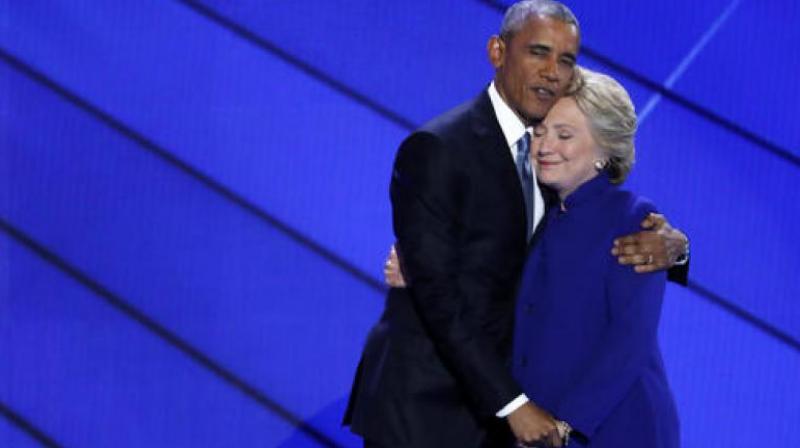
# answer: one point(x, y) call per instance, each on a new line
point(540, 143)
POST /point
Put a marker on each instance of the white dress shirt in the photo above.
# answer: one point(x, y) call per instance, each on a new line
point(513, 129)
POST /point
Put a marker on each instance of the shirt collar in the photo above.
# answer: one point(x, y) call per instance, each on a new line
point(513, 128)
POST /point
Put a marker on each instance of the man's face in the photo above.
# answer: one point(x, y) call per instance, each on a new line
point(534, 67)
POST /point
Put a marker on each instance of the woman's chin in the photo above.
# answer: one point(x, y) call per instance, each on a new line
point(547, 179)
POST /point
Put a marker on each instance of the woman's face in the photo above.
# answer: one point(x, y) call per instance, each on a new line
point(564, 148)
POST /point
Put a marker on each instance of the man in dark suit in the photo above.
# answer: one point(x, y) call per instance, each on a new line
point(434, 371)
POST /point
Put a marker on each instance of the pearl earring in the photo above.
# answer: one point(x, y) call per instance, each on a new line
point(599, 165)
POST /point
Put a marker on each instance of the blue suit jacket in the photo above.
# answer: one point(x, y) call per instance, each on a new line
point(585, 344)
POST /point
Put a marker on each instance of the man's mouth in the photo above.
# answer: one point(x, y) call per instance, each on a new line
point(544, 93)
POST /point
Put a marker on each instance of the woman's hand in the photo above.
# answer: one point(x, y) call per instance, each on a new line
point(392, 274)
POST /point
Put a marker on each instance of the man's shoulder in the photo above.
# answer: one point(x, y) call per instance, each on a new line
point(460, 130)
point(458, 121)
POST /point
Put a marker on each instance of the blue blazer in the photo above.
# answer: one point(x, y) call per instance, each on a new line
point(585, 344)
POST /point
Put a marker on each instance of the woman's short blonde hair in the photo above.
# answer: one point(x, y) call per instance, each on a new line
point(612, 118)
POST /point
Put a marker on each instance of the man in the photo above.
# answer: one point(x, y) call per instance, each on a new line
point(434, 371)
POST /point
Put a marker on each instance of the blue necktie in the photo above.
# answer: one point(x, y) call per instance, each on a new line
point(523, 163)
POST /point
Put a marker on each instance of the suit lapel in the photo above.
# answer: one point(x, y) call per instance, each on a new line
point(493, 144)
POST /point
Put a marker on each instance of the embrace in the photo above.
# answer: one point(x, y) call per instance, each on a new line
point(527, 284)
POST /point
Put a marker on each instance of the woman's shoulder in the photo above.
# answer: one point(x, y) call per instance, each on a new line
point(631, 208)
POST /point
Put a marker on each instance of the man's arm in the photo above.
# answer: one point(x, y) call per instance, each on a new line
point(426, 192)
point(528, 422)
point(660, 246)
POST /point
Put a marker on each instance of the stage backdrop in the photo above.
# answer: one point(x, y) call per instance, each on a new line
point(194, 205)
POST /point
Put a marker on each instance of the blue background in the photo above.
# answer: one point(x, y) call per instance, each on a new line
point(194, 205)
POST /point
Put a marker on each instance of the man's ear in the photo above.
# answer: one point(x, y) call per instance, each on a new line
point(496, 49)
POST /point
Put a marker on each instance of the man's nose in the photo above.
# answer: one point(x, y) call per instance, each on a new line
point(550, 70)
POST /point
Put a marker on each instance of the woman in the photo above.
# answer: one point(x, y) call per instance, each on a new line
point(586, 345)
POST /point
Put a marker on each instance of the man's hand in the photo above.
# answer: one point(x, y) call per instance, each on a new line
point(654, 249)
point(530, 425)
point(392, 274)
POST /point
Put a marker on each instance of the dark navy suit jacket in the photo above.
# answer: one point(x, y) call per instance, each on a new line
point(586, 345)
point(435, 369)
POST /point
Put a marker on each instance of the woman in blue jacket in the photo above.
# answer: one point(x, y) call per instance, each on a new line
point(586, 346)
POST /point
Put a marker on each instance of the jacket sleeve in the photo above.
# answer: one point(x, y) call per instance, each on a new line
point(427, 190)
point(634, 303)
point(679, 274)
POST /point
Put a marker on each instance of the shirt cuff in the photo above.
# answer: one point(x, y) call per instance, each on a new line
point(513, 406)
point(683, 258)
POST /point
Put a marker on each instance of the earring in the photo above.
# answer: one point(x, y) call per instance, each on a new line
point(599, 165)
